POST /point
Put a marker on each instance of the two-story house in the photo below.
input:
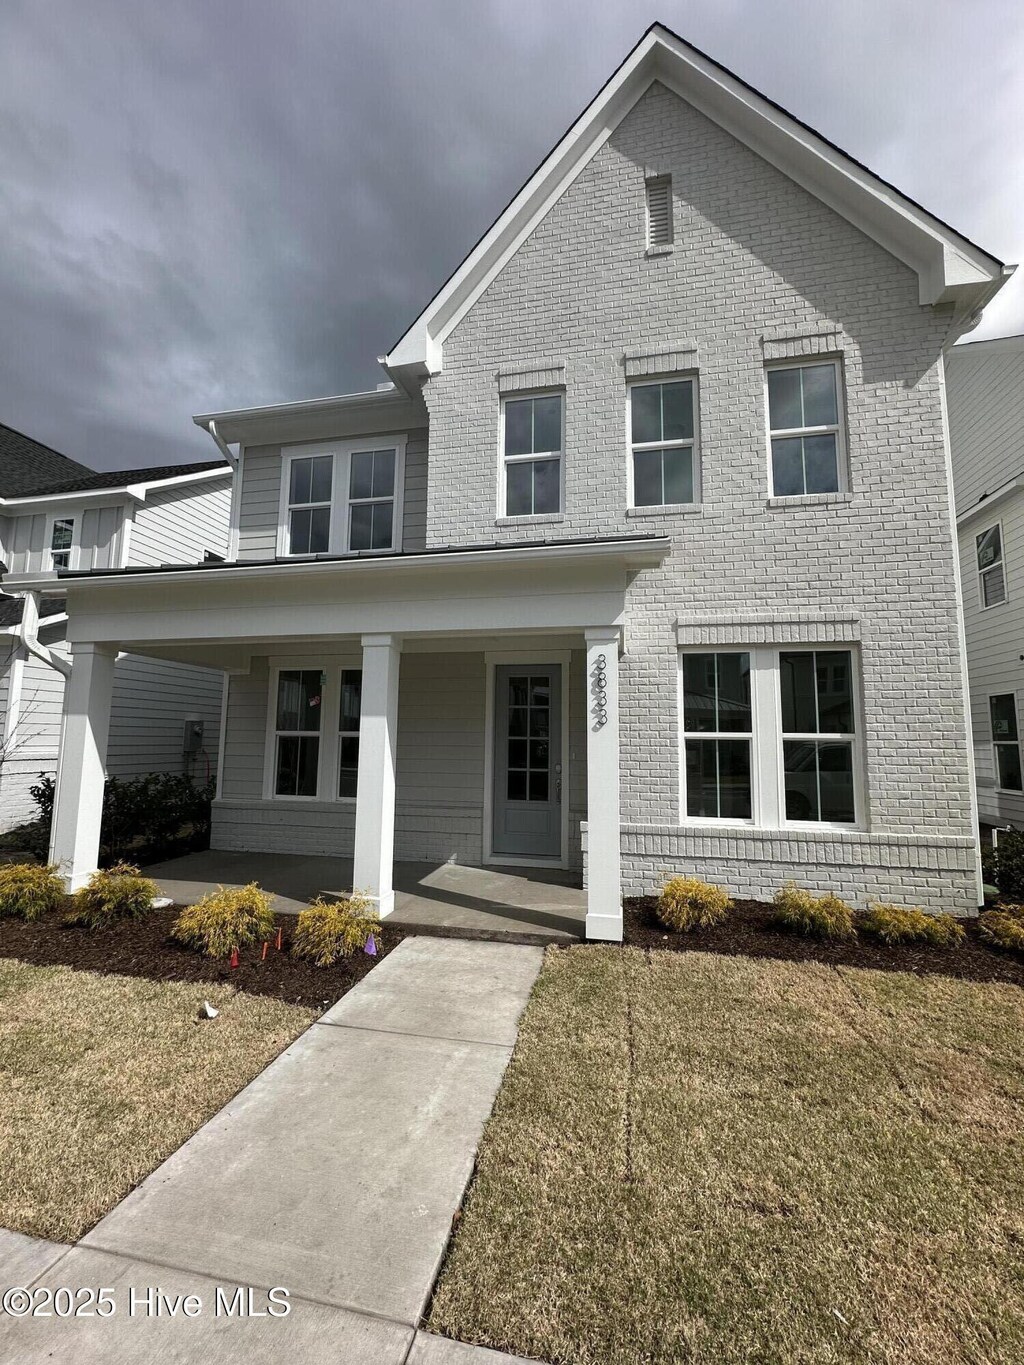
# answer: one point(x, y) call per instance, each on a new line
point(56, 515)
point(985, 387)
point(643, 562)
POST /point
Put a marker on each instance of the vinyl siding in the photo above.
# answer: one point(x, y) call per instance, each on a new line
point(180, 525)
point(985, 395)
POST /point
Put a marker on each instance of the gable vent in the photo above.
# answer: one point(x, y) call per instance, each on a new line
point(659, 211)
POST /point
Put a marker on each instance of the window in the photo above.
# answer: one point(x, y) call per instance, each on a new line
point(297, 730)
point(343, 499)
point(717, 730)
point(532, 455)
point(805, 428)
point(348, 731)
point(817, 700)
point(662, 443)
point(659, 211)
point(1006, 742)
point(62, 535)
point(769, 736)
point(991, 576)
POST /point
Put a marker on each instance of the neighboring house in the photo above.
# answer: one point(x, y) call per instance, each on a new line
point(56, 514)
point(985, 392)
point(643, 564)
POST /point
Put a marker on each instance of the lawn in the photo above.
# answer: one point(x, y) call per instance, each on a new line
point(102, 1077)
point(719, 1159)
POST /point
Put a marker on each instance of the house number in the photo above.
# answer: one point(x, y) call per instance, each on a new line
point(599, 691)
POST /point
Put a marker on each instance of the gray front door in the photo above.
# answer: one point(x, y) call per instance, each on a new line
point(528, 761)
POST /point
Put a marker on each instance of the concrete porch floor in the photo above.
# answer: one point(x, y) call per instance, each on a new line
point(524, 904)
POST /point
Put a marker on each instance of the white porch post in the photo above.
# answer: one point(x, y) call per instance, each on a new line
point(78, 800)
point(375, 783)
point(604, 878)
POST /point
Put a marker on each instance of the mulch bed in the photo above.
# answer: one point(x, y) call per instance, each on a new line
point(748, 933)
point(143, 947)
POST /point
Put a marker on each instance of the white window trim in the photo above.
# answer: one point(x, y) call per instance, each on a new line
point(767, 775)
point(342, 452)
point(1000, 563)
point(662, 507)
point(330, 735)
point(1006, 791)
point(74, 557)
point(504, 459)
point(839, 427)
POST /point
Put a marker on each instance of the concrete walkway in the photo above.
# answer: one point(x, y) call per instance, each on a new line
point(335, 1174)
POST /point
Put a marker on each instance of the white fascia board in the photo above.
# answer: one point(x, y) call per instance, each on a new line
point(949, 267)
point(313, 417)
point(141, 490)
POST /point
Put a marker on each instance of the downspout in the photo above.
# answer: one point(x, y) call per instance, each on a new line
point(28, 634)
point(235, 461)
point(222, 445)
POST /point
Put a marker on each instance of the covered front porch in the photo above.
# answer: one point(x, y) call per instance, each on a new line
point(529, 904)
point(486, 736)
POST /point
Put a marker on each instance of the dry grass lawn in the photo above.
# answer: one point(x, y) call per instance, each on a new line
point(101, 1077)
point(715, 1159)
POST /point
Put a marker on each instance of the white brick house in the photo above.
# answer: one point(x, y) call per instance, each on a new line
point(645, 559)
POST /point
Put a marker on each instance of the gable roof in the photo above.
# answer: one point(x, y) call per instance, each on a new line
point(27, 466)
point(89, 480)
point(951, 269)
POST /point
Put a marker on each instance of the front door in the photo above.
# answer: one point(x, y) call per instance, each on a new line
point(528, 761)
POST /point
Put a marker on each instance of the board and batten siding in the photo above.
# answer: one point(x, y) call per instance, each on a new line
point(98, 535)
point(181, 525)
point(259, 503)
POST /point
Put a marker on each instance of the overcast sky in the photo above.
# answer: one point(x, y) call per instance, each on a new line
point(214, 203)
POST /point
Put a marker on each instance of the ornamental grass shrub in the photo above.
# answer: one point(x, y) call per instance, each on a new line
point(29, 890)
point(113, 893)
point(226, 919)
point(330, 930)
point(1003, 927)
point(803, 912)
point(894, 924)
point(686, 903)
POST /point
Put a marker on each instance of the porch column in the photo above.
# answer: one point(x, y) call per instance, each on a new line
point(604, 878)
point(78, 800)
point(375, 783)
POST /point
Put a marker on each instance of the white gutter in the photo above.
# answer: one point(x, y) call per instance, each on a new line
point(28, 633)
point(985, 503)
point(222, 445)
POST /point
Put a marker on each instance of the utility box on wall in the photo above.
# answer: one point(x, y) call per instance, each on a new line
point(192, 740)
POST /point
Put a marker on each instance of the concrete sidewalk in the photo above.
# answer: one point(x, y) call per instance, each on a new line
point(335, 1174)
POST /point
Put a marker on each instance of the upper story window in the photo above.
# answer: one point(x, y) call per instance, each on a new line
point(991, 574)
point(532, 455)
point(662, 440)
point(62, 540)
point(659, 211)
point(804, 419)
point(343, 499)
point(1006, 742)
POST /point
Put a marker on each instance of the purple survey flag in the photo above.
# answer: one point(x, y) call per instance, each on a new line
point(371, 946)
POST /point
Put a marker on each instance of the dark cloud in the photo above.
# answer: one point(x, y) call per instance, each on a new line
point(214, 203)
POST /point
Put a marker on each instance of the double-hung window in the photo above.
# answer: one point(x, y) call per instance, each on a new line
point(662, 439)
point(769, 736)
point(991, 574)
point(62, 539)
point(307, 755)
point(805, 424)
point(348, 730)
point(342, 499)
point(532, 455)
point(297, 732)
point(1006, 742)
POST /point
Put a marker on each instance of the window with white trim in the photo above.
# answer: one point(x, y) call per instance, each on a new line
point(1006, 742)
point(991, 573)
point(805, 427)
point(348, 731)
point(297, 732)
point(769, 736)
point(62, 539)
point(658, 195)
point(342, 499)
point(532, 454)
point(663, 442)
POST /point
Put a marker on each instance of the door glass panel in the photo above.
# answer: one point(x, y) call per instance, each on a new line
point(539, 786)
point(516, 786)
point(528, 750)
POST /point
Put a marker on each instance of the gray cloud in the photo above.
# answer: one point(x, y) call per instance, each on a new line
point(222, 202)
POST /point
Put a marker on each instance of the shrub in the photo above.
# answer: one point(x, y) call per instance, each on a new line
point(894, 924)
point(28, 890)
point(1004, 865)
point(228, 918)
point(113, 893)
point(686, 903)
point(328, 931)
point(817, 916)
point(1003, 927)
